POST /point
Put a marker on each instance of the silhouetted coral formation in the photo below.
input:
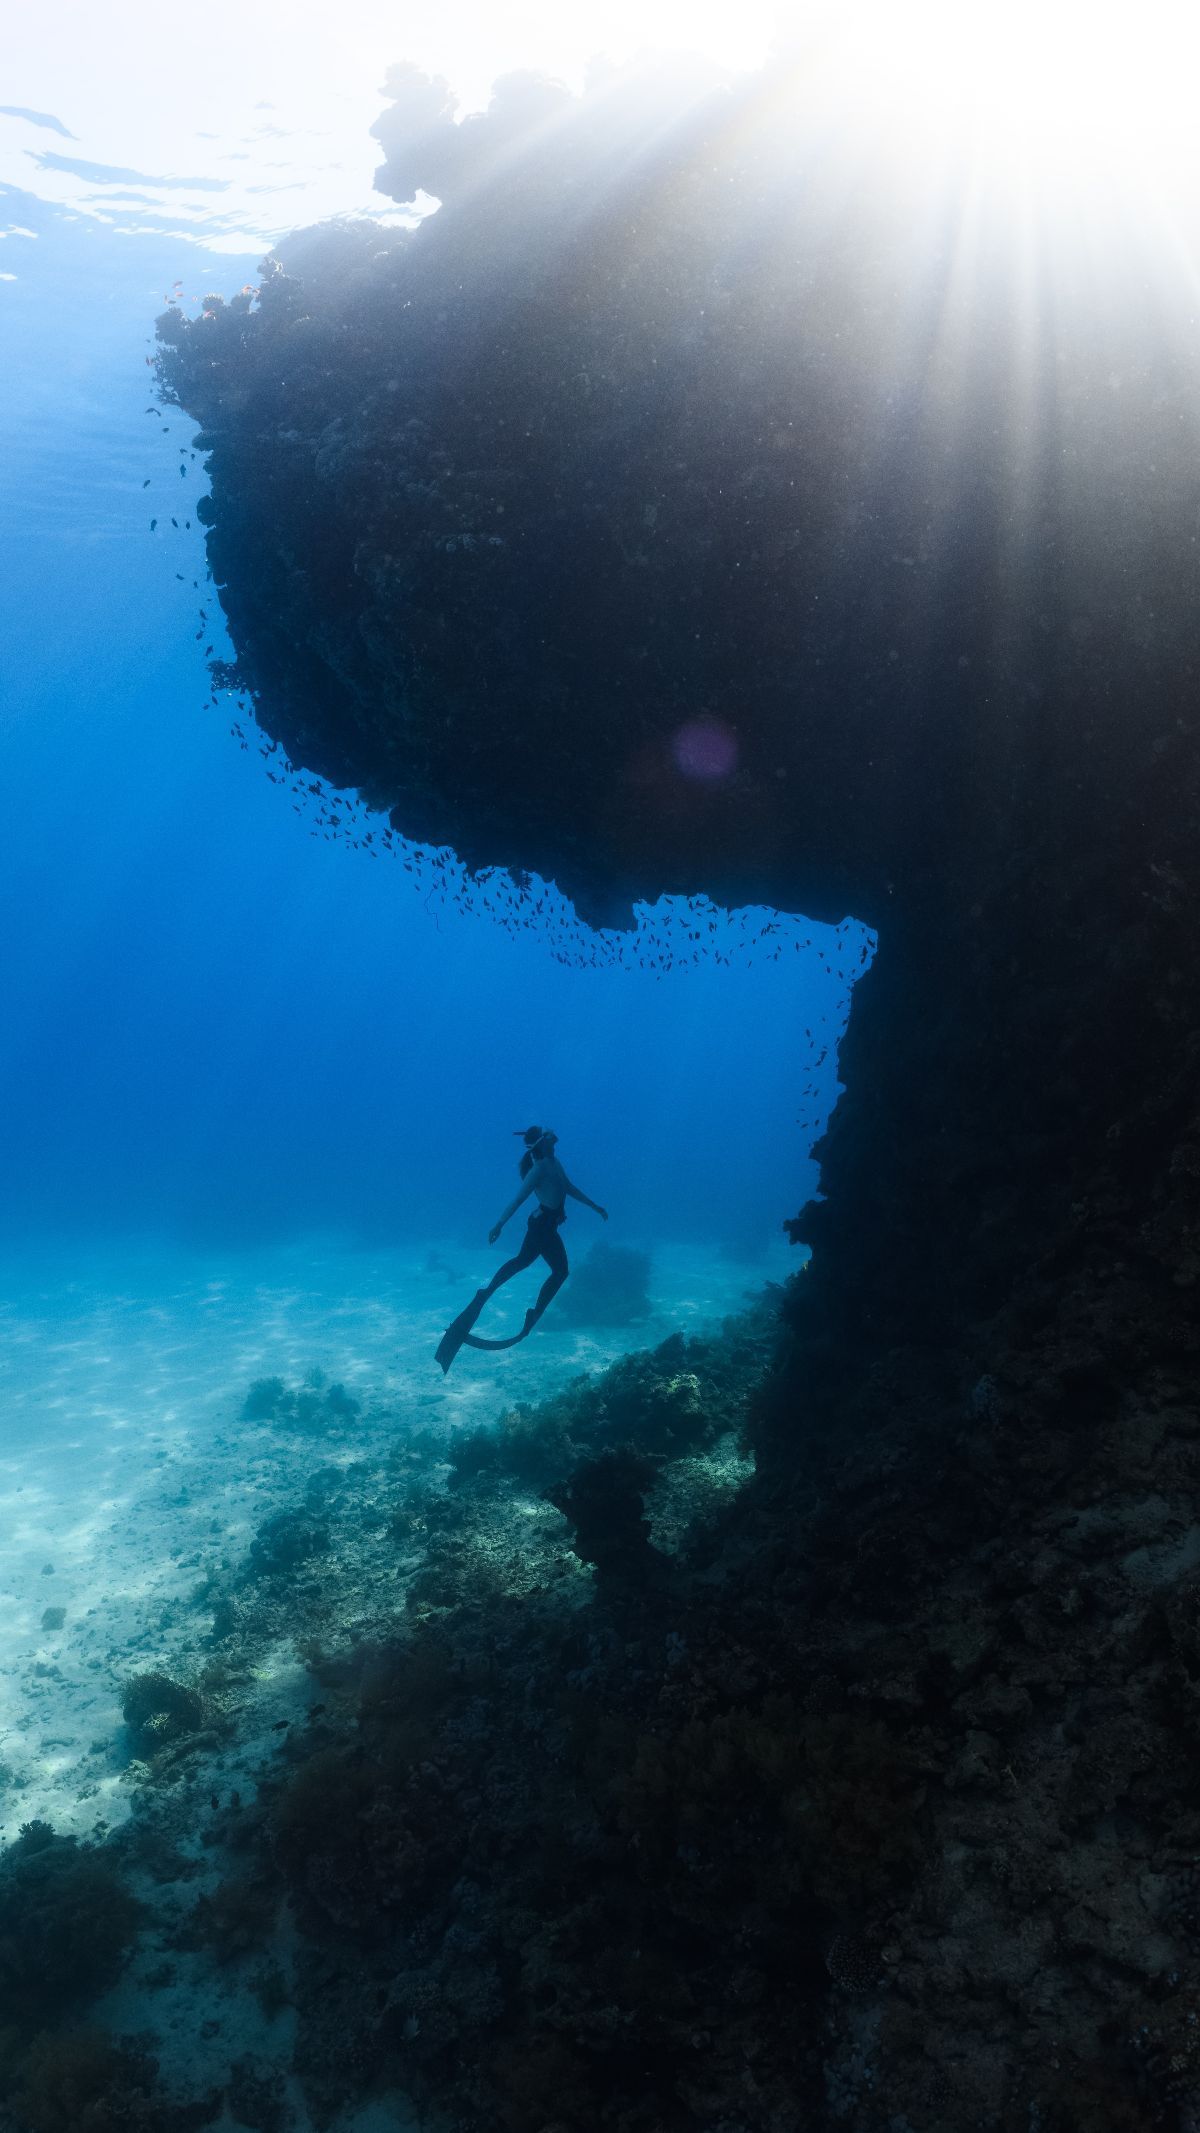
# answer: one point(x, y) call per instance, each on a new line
point(568, 464)
point(84, 2082)
point(616, 440)
point(609, 1287)
point(679, 1397)
point(284, 1541)
point(66, 1922)
point(874, 1806)
point(312, 1407)
point(603, 1500)
point(159, 1711)
point(881, 1785)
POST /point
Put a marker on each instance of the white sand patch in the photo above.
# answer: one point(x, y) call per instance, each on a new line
point(126, 1473)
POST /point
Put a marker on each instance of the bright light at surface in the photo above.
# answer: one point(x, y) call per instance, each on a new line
point(1069, 89)
point(261, 123)
point(272, 106)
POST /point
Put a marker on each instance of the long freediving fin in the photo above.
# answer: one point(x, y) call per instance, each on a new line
point(459, 1330)
point(472, 1340)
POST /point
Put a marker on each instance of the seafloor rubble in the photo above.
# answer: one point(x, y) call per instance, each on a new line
point(865, 1797)
point(620, 1794)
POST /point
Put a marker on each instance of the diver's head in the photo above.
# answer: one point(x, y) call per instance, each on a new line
point(539, 1143)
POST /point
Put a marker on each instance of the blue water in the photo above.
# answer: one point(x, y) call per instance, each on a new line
point(260, 1082)
point(221, 1030)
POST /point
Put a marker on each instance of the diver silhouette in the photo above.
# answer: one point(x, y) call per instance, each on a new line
point(544, 1175)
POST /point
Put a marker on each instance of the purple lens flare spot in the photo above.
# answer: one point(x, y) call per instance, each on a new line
point(704, 748)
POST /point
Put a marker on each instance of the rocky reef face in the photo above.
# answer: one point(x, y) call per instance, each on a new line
point(506, 507)
point(626, 464)
point(634, 457)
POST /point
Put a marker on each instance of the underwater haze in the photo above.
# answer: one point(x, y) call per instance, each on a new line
point(599, 1027)
point(222, 1030)
point(265, 1061)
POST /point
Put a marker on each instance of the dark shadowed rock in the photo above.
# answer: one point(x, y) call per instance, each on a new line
point(627, 441)
point(635, 521)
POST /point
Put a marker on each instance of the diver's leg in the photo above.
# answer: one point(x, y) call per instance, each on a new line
point(454, 1336)
point(554, 1252)
point(525, 1257)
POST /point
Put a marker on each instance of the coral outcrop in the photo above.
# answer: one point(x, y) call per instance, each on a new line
point(66, 1922)
point(504, 504)
point(866, 1801)
point(83, 2082)
point(159, 1711)
point(898, 1833)
point(609, 1287)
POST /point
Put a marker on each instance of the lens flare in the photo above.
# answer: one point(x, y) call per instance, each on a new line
point(704, 748)
point(1060, 89)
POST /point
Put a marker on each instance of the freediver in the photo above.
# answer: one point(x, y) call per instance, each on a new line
point(543, 1174)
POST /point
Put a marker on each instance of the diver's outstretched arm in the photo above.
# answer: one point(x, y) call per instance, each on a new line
point(573, 1193)
point(511, 1209)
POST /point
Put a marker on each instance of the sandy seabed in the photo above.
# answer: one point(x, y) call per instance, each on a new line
point(127, 1474)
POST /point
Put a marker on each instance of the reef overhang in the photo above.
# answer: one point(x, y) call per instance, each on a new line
point(647, 519)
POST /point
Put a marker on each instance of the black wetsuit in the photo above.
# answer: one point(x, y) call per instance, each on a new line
point(542, 1241)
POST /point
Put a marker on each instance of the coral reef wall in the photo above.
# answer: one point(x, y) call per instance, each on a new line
point(674, 420)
